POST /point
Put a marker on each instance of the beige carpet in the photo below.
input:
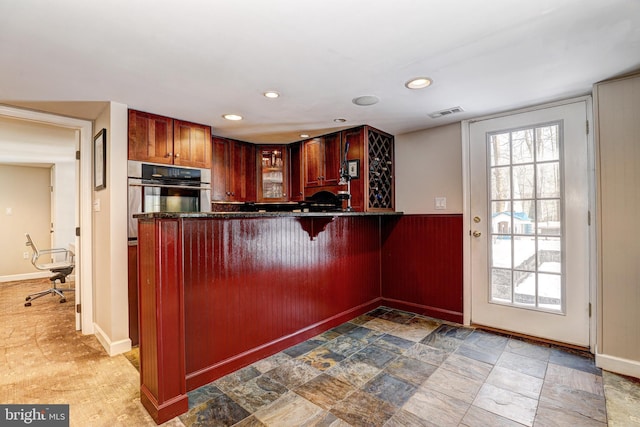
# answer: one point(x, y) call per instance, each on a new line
point(44, 360)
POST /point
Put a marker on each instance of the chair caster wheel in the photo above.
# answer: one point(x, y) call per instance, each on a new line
point(27, 304)
point(63, 300)
point(27, 298)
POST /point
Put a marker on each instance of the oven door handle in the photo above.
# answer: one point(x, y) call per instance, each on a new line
point(181, 187)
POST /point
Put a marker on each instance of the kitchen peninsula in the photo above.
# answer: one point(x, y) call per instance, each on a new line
point(219, 291)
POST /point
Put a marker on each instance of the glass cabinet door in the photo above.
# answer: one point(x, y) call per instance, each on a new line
point(273, 183)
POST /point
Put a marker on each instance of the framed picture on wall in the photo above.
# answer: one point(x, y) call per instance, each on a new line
point(354, 168)
point(100, 160)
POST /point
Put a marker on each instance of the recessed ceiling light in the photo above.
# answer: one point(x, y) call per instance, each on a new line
point(232, 117)
point(366, 100)
point(304, 135)
point(271, 94)
point(418, 83)
point(339, 120)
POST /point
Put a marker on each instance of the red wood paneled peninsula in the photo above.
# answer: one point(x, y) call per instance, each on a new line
point(219, 291)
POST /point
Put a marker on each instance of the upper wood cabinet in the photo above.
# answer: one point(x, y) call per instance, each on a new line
point(150, 137)
point(191, 144)
point(233, 171)
point(322, 161)
point(272, 176)
point(158, 139)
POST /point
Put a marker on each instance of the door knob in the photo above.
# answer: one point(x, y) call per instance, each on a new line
point(477, 233)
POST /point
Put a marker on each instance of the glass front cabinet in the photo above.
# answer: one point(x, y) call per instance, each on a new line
point(272, 164)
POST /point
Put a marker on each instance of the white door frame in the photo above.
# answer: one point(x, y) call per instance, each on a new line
point(466, 207)
point(85, 271)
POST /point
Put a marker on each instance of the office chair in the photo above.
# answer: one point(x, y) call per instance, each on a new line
point(60, 270)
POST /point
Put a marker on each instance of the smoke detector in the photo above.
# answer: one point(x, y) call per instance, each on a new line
point(446, 112)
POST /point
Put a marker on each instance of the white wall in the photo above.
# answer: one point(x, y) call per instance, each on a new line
point(64, 209)
point(24, 208)
point(429, 165)
point(617, 110)
point(110, 236)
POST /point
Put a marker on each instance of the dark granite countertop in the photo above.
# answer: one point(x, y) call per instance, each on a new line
point(160, 215)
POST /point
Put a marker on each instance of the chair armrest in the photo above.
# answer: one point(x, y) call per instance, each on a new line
point(54, 251)
point(69, 255)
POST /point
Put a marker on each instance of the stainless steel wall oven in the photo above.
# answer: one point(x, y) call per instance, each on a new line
point(161, 188)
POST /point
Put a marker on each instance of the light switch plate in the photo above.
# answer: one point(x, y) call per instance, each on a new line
point(96, 205)
point(441, 203)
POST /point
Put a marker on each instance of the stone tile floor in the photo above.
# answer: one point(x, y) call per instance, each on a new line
point(394, 368)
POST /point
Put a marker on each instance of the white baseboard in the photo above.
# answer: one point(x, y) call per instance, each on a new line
point(618, 365)
point(25, 276)
point(112, 348)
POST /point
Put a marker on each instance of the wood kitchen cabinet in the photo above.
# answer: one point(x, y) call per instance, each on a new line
point(191, 144)
point(233, 171)
point(150, 137)
point(132, 281)
point(296, 181)
point(272, 176)
point(159, 139)
point(374, 188)
point(322, 157)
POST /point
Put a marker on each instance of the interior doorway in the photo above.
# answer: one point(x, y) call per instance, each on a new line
point(83, 242)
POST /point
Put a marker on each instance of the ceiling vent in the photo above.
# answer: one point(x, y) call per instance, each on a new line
point(446, 112)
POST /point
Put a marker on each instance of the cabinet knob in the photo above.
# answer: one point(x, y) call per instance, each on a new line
point(177, 155)
point(169, 154)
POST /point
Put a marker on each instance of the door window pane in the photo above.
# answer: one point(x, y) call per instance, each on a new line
point(501, 217)
point(501, 251)
point(524, 216)
point(501, 183)
point(550, 291)
point(525, 288)
point(522, 149)
point(500, 148)
point(549, 217)
point(547, 143)
point(548, 183)
point(501, 285)
point(549, 255)
point(524, 253)
point(523, 182)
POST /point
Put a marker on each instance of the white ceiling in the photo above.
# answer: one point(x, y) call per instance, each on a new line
point(198, 59)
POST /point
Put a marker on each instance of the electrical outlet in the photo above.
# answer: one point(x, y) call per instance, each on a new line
point(441, 203)
point(25, 255)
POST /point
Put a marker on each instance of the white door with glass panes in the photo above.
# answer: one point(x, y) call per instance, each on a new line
point(529, 208)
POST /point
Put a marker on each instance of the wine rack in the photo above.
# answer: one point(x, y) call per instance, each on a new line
point(380, 152)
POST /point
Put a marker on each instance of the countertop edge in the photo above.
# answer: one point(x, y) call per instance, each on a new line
point(170, 215)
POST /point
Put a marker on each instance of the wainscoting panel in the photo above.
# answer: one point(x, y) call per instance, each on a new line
point(422, 265)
